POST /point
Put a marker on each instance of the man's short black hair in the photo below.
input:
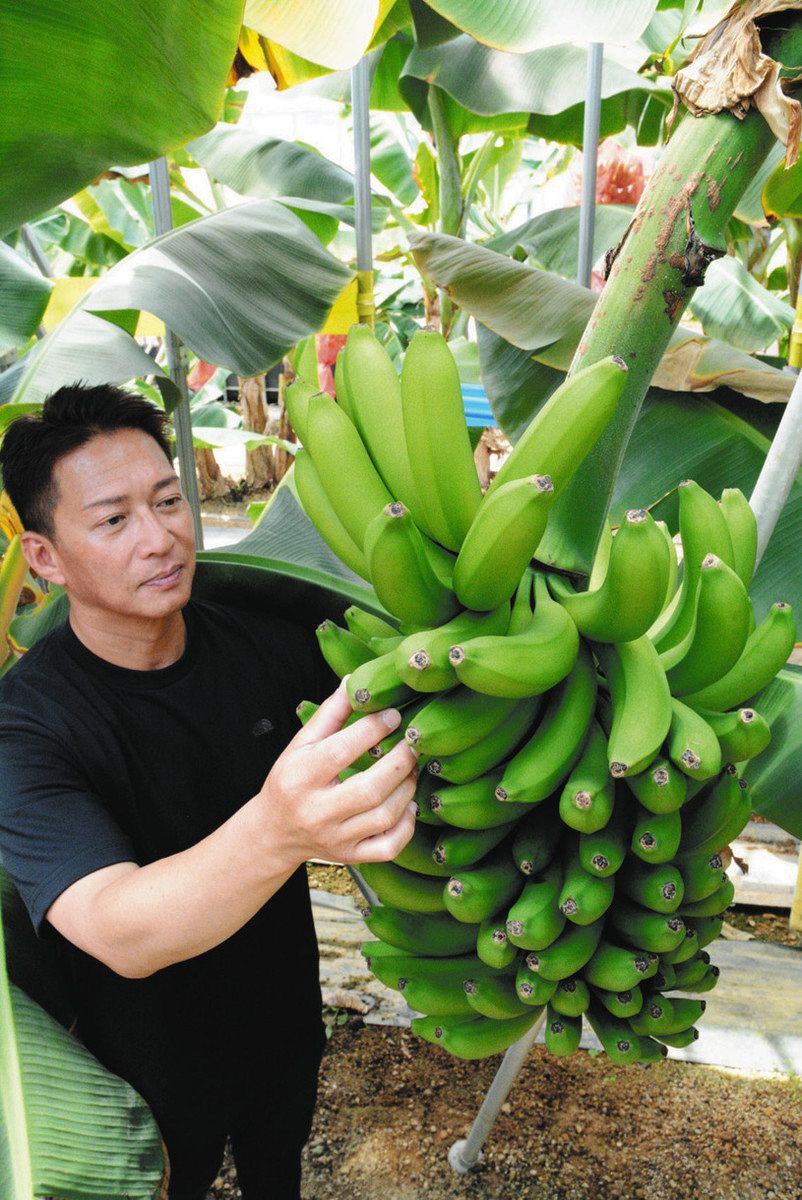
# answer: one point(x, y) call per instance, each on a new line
point(69, 418)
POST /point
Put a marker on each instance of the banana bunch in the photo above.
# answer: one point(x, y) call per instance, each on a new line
point(583, 748)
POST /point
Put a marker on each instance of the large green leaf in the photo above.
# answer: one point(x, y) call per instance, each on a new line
point(336, 34)
point(775, 776)
point(62, 230)
point(239, 288)
point(68, 1127)
point(546, 82)
point(546, 315)
point(89, 83)
point(524, 25)
point(24, 293)
point(733, 306)
point(551, 240)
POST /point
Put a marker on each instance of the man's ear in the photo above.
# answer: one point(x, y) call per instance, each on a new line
point(42, 556)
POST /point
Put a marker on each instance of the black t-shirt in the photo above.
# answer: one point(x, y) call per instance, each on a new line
point(100, 764)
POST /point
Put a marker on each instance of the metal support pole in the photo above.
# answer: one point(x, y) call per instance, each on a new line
point(590, 148)
point(182, 420)
point(779, 470)
point(360, 100)
point(364, 887)
point(466, 1153)
point(36, 252)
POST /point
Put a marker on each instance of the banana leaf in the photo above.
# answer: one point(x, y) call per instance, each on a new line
point(24, 294)
point(68, 1127)
point(335, 35)
point(544, 314)
point(91, 83)
point(551, 240)
point(733, 306)
point(774, 776)
point(524, 25)
point(549, 83)
point(239, 288)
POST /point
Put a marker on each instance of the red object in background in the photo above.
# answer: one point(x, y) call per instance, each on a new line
point(620, 178)
point(200, 375)
point(328, 346)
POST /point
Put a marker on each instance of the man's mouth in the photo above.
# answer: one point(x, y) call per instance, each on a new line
point(166, 578)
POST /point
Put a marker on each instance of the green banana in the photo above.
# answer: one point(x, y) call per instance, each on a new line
point(674, 1016)
point(349, 478)
point(430, 935)
point(456, 720)
point(534, 921)
point(655, 931)
point(685, 950)
point(571, 997)
point(525, 664)
point(445, 997)
point(626, 1003)
point(475, 893)
point(323, 515)
point(418, 854)
point(641, 704)
point(563, 1033)
point(586, 801)
point(501, 541)
point(712, 646)
point(493, 996)
point(422, 658)
point(661, 788)
point(692, 745)
point(521, 612)
point(567, 427)
point(619, 968)
point(475, 1039)
point(423, 799)
point(702, 874)
point(458, 848)
point(490, 750)
point(366, 625)
point(714, 904)
point(602, 853)
point(375, 685)
point(493, 947)
point(707, 982)
point(473, 805)
point(742, 525)
point(584, 897)
point(342, 650)
point(633, 591)
point(717, 815)
point(341, 388)
point(680, 1040)
point(373, 392)
point(536, 837)
point(405, 576)
point(296, 401)
point(659, 887)
point(673, 565)
point(742, 734)
point(545, 760)
point(703, 530)
point(656, 836)
point(568, 953)
point(691, 972)
point(383, 645)
point(707, 929)
point(766, 651)
point(618, 1041)
point(440, 454)
point(390, 965)
point(651, 1051)
point(531, 987)
point(404, 889)
point(666, 977)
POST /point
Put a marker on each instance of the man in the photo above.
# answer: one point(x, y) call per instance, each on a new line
point(157, 804)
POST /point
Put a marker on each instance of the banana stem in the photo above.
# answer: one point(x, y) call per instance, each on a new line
point(677, 230)
point(450, 181)
point(12, 578)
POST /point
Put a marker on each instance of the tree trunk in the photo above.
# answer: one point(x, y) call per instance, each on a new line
point(212, 484)
point(259, 462)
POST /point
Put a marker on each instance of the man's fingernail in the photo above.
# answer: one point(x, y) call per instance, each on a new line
point(391, 718)
point(344, 681)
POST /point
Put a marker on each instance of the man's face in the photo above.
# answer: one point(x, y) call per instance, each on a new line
point(124, 541)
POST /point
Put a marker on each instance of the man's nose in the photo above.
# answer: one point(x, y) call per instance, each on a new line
point(153, 537)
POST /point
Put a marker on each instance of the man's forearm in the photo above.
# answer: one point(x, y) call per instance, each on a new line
point(183, 905)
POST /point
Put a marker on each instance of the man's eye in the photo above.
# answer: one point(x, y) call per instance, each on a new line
point(114, 521)
point(171, 501)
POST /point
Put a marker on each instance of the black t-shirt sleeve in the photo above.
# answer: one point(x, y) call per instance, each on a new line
point(53, 830)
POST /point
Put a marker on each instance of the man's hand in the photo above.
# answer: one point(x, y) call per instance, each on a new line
point(369, 817)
